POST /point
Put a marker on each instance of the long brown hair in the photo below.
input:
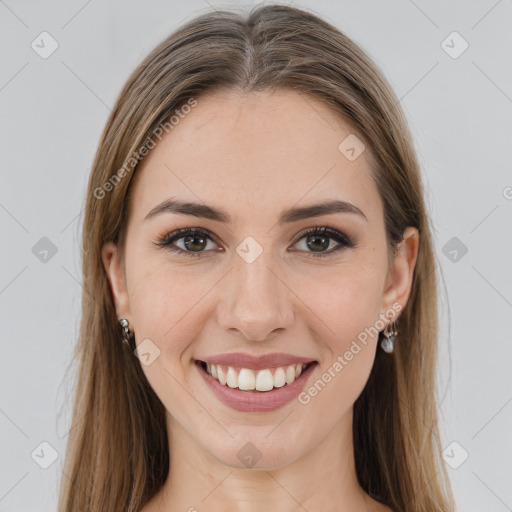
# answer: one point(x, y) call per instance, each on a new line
point(117, 454)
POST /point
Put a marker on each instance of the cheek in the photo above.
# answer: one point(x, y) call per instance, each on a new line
point(164, 305)
point(347, 342)
point(348, 301)
point(165, 302)
point(348, 305)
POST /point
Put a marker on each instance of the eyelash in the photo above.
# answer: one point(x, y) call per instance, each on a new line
point(344, 241)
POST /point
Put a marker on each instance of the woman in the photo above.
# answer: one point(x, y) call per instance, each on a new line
point(260, 323)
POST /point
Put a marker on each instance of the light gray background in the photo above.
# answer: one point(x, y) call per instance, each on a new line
point(53, 111)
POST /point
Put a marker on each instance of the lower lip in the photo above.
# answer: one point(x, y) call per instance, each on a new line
point(256, 401)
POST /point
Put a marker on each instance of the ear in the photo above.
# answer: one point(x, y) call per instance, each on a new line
point(399, 279)
point(117, 280)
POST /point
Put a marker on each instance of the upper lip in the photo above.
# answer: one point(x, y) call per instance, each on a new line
point(244, 360)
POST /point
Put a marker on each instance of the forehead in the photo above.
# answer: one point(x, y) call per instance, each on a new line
point(261, 149)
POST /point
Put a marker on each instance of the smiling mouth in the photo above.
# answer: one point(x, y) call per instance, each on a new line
point(246, 379)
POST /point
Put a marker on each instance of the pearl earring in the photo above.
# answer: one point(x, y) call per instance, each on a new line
point(388, 343)
point(127, 335)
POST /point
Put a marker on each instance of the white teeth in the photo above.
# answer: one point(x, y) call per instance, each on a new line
point(262, 380)
point(246, 380)
point(221, 376)
point(232, 378)
point(290, 374)
point(279, 378)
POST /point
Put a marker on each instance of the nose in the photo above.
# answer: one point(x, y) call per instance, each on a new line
point(256, 302)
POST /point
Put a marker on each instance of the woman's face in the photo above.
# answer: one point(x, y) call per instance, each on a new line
point(249, 281)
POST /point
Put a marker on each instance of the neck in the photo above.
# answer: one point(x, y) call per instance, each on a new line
point(318, 478)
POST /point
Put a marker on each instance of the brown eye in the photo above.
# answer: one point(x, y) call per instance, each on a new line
point(195, 241)
point(318, 241)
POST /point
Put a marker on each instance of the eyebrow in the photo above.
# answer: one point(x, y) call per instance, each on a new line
point(295, 214)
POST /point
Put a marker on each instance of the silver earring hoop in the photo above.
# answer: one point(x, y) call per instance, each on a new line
point(127, 335)
point(388, 343)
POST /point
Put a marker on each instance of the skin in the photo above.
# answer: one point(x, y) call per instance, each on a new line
point(254, 155)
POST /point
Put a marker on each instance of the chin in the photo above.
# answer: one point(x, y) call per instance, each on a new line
point(258, 451)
